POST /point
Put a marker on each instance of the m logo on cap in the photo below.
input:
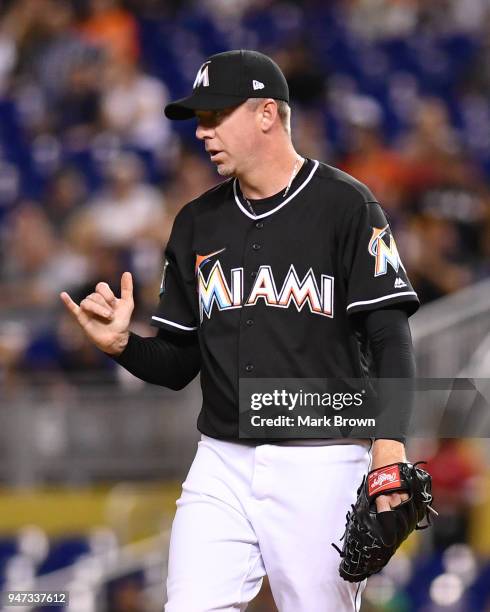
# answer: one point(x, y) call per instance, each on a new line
point(202, 77)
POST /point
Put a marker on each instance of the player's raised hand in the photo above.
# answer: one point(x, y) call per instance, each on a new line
point(104, 317)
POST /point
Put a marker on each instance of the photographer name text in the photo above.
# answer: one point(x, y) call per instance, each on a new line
point(309, 421)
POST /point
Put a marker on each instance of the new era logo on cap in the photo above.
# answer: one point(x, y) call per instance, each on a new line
point(257, 85)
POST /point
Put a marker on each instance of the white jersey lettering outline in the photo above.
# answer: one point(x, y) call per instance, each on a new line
point(214, 290)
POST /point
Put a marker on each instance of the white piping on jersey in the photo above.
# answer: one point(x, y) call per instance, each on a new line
point(380, 299)
point(178, 325)
point(270, 212)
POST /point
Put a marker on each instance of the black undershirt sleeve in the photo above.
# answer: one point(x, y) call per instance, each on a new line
point(169, 360)
point(389, 337)
point(390, 342)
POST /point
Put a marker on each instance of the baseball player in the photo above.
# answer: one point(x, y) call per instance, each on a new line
point(287, 268)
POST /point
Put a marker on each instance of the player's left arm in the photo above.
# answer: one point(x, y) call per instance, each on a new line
point(380, 298)
point(389, 337)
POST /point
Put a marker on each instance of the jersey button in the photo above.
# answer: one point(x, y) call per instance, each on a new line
point(259, 225)
point(249, 367)
point(256, 246)
point(250, 322)
point(253, 274)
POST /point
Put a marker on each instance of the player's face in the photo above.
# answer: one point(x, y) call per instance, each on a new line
point(229, 137)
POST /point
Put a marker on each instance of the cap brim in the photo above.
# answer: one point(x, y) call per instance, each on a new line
point(186, 107)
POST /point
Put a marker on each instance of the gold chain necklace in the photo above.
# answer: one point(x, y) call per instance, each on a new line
point(296, 169)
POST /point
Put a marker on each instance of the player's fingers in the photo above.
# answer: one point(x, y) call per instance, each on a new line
point(126, 286)
point(395, 499)
point(69, 303)
point(99, 299)
point(398, 498)
point(91, 307)
point(106, 292)
point(383, 503)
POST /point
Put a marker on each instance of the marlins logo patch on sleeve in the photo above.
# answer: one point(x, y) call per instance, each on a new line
point(382, 252)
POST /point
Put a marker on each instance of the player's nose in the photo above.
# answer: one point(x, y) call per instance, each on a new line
point(203, 132)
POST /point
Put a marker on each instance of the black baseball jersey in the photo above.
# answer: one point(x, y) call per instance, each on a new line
point(269, 285)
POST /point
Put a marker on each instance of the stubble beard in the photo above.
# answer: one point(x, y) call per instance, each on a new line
point(225, 169)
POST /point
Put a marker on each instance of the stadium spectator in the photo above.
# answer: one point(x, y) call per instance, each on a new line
point(383, 19)
point(132, 106)
point(8, 57)
point(456, 471)
point(428, 144)
point(370, 159)
point(39, 264)
point(113, 29)
point(65, 194)
point(305, 78)
point(432, 258)
point(78, 109)
point(58, 51)
point(125, 210)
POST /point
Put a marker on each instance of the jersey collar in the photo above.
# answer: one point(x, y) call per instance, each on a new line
point(245, 211)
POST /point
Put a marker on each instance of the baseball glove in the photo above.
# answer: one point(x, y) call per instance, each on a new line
point(372, 538)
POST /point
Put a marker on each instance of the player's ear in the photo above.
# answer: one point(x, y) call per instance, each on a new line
point(269, 114)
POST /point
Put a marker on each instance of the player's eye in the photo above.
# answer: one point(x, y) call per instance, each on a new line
point(213, 118)
point(208, 120)
point(223, 113)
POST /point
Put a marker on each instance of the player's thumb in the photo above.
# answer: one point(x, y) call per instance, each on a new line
point(127, 287)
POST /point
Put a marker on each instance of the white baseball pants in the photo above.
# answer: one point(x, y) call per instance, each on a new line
point(250, 510)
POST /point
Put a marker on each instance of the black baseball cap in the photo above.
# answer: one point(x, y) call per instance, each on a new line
point(228, 79)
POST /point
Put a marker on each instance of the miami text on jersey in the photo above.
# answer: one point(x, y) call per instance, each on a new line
point(215, 290)
point(383, 253)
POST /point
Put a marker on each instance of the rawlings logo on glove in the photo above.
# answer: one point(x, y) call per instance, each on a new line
point(383, 479)
point(371, 538)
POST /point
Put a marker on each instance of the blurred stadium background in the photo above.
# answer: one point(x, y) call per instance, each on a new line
point(396, 92)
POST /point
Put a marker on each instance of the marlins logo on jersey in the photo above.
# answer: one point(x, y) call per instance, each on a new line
point(382, 253)
point(214, 289)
